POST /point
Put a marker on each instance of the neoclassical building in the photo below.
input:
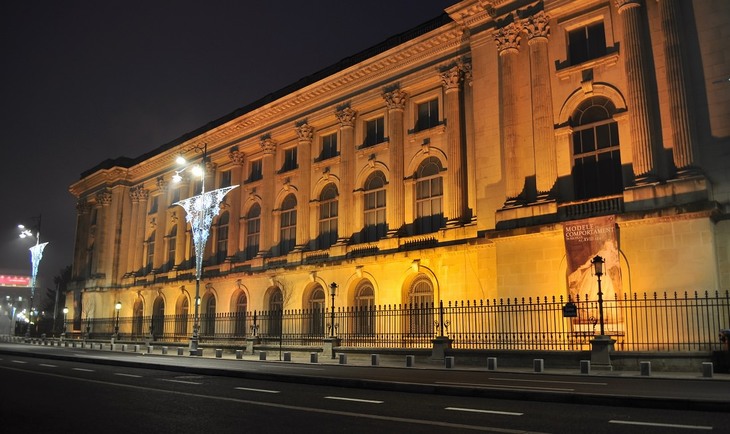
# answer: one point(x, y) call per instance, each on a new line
point(485, 154)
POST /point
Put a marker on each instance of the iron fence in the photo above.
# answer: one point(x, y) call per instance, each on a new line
point(650, 322)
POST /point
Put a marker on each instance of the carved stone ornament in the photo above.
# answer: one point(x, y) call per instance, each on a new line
point(508, 38)
point(161, 184)
point(622, 5)
point(82, 207)
point(268, 146)
point(173, 217)
point(538, 26)
point(153, 223)
point(305, 132)
point(451, 78)
point(346, 116)
point(236, 156)
point(395, 99)
point(104, 198)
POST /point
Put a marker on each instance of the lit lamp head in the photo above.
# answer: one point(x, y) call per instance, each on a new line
point(118, 306)
point(333, 289)
point(65, 310)
point(24, 232)
point(597, 265)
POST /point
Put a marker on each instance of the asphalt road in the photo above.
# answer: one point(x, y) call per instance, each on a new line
point(80, 397)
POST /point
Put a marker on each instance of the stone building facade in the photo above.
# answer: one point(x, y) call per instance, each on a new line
point(443, 167)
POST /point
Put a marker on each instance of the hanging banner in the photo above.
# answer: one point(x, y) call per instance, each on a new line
point(585, 239)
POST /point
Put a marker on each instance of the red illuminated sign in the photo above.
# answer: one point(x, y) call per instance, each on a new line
point(15, 281)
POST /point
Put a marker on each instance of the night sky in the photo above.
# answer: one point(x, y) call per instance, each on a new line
point(83, 81)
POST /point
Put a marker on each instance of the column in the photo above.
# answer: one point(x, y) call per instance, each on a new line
point(267, 196)
point(82, 237)
point(642, 119)
point(546, 171)
point(103, 200)
point(680, 96)
point(305, 132)
point(235, 247)
point(508, 40)
point(133, 222)
point(456, 169)
point(138, 243)
point(161, 228)
point(395, 201)
point(346, 116)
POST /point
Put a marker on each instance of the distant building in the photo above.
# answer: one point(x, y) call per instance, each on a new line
point(487, 154)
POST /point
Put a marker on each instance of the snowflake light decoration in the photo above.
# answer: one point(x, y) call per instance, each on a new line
point(36, 254)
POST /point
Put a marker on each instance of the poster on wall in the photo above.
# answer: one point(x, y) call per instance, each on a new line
point(584, 239)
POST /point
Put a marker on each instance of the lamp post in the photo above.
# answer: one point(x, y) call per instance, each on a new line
point(333, 292)
point(200, 211)
point(117, 307)
point(65, 313)
point(36, 254)
point(598, 271)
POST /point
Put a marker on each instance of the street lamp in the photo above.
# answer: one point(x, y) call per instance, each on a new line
point(36, 254)
point(65, 313)
point(598, 271)
point(333, 292)
point(200, 211)
point(117, 307)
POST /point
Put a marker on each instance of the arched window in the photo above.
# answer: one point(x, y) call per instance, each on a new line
point(276, 308)
point(137, 319)
point(253, 230)
point(596, 157)
point(420, 307)
point(327, 216)
point(375, 226)
point(365, 309)
point(240, 314)
point(181, 316)
point(429, 197)
point(208, 317)
point(150, 252)
point(158, 318)
point(171, 242)
point(317, 309)
point(221, 251)
point(288, 225)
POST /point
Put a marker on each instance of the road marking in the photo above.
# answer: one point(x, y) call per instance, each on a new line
point(47, 365)
point(181, 381)
point(548, 381)
point(248, 389)
point(19, 361)
point(507, 386)
point(434, 423)
point(121, 374)
point(474, 410)
point(663, 425)
point(341, 398)
point(83, 369)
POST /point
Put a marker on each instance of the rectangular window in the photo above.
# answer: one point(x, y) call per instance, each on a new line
point(290, 160)
point(427, 115)
point(225, 179)
point(153, 204)
point(255, 171)
point(374, 132)
point(329, 147)
point(586, 43)
point(253, 229)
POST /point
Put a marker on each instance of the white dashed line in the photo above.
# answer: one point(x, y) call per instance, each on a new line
point(83, 369)
point(19, 361)
point(127, 375)
point(341, 398)
point(47, 365)
point(180, 381)
point(475, 410)
point(663, 425)
point(248, 389)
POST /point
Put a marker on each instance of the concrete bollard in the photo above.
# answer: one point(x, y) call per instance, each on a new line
point(136, 348)
point(164, 351)
point(180, 351)
point(313, 357)
point(410, 361)
point(585, 367)
point(239, 354)
point(150, 348)
point(343, 359)
point(491, 363)
point(707, 369)
point(218, 353)
point(287, 356)
point(538, 365)
point(449, 362)
point(262, 355)
point(374, 359)
point(645, 369)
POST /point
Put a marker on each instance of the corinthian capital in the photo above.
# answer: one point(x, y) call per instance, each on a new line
point(508, 38)
point(623, 5)
point(305, 132)
point(451, 78)
point(103, 198)
point(395, 99)
point(236, 156)
point(268, 145)
point(538, 26)
point(346, 116)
